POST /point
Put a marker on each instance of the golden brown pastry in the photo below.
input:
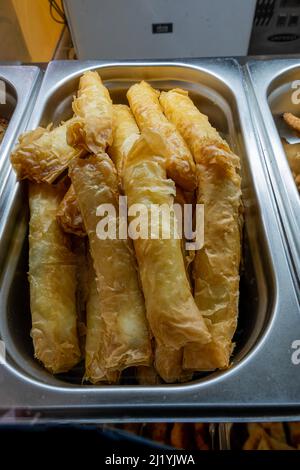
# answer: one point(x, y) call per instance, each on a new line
point(43, 154)
point(79, 247)
point(216, 265)
point(147, 375)
point(166, 141)
point(95, 361)
point(168, 363)
point(172, 313)
point(196, 129)
point(292, 121)
point(188, 255)
point(92, 127)
point(52, 278)
point(69, 216)
point(125, 133)
point(293, 155)
point(126, 338)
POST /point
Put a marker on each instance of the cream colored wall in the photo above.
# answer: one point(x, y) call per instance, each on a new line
point(39, 30)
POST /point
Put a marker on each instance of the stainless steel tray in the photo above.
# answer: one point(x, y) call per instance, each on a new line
point(271, 89)
point(256, 384)
point(19, 83)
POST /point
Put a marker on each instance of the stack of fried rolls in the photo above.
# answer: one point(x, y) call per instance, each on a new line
point(123, 302)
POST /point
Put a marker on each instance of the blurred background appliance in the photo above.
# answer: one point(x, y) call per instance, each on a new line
point(276, 27)
point(147, 29)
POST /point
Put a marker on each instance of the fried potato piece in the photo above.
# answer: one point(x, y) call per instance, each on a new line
point(275, 430)
point(294, 430)
point(172, 313)
point(52, 278)
point(266, 436)
point(274, 444)
point(201, 436)
point(3, 127)
point(158, 432)
point(126, 338)
point(292, 121)
point(256, 434)
point(180, 435)
point(125, 133)
point(166, 141)
point(293, 156)
point(92, 127)
point(69, 216)
point(216, 265)
point(43, 154)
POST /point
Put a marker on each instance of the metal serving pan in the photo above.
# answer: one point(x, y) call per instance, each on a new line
point(271, 88)
point(255, 385)
point(17, 87)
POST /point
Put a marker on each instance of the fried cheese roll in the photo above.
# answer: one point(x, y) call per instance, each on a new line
point(172, 313)
point(216, 265)
point(169, 364)
point(125, 133)
point(126, 337)
point(43, 154)
point(69, 216)
point(166, 141)
point(196, 129)
point(52, 278)
point(92, 127)
point(79, 246)
point(147, 375)
point(95, 368)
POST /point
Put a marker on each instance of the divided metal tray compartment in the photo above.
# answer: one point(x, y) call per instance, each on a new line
point(271, 88)
point(255, 385)
point(20, 85)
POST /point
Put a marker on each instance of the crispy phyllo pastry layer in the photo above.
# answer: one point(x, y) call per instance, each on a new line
point(69, 216)
point(95, 361)
point(125, 133)
point(92, 127)
point(169, 364)
point(52, 277)
point(216, 265)
point(126, 337)
point(172, 313)
point(166, 141)
point(43, 154)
